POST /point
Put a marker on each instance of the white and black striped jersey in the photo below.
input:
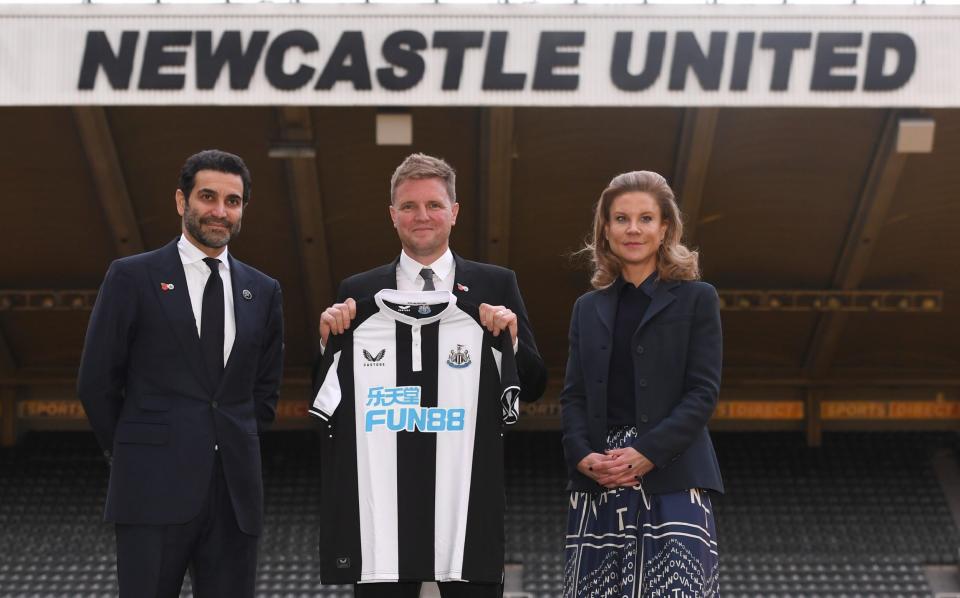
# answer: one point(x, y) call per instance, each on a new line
point(415, 396)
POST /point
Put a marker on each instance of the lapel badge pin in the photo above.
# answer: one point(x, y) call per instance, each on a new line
point(462, 287)
point(166, 286)
point(246, 294)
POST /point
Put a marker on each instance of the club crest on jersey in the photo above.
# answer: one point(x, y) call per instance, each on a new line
point(424, 310)
point(459, 358)
point(374, 360)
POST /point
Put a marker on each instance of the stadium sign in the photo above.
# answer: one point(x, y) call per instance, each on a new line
point(571, 55)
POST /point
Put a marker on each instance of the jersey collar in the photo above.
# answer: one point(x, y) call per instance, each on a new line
point(414, 298)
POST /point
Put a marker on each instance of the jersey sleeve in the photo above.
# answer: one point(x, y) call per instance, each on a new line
point(327, 394)
point(505, 358)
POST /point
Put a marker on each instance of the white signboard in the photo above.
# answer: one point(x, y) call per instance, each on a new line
point(475, 55)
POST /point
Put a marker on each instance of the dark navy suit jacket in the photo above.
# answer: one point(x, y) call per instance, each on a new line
point(152, 404)
point(677, 355)
point(475, 283)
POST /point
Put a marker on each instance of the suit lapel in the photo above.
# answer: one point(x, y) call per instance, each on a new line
point(462, 279)
point(389, 277)
point(607, 304)
point(607, 307)
point(662, 297)
point(175, 303)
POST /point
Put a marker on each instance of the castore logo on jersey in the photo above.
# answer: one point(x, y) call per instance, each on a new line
point(374, 360)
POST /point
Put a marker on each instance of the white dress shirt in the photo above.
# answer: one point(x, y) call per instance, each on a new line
point(408, 272)
point(197, 273)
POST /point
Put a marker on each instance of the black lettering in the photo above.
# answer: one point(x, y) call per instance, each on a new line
point(401, 49)
point(456, 44)
point(278, 49)
point(619, 71)
point(783, 44)
point(549, 57)
point(742, 59)
point(826, 58)
point(688, 55)
point(493, 76)
point(156, 55)
point(230, 51)
point(350, 46)
point(906, 51)
point(117, 66)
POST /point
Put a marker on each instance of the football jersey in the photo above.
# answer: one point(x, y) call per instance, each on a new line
point(414, 396)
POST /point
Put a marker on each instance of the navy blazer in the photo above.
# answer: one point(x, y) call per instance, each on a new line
point(475, 283)
point(151, 402)
point(677, 355)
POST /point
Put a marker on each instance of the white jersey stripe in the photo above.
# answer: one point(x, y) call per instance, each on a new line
point(377, 455)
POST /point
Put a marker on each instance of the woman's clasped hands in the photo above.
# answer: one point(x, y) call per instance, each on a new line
point(617, 468)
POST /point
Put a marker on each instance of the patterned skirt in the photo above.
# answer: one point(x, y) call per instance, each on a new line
point(625, 543)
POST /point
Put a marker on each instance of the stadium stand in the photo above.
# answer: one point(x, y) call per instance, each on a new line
point(860, 516)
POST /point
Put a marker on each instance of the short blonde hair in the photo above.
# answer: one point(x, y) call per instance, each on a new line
point(422, 166)
point(674, 260)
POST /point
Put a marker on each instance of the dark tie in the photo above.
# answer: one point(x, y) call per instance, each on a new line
point(211, 321)
point(427, 275)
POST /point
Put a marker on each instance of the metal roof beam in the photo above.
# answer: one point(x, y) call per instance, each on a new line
point(105, 168)
point(865, 227)
point(693, 159)
point(303, 179)
point(495, 178)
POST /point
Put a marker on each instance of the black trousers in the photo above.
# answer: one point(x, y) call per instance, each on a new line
point(152, 559)
point(448, 589)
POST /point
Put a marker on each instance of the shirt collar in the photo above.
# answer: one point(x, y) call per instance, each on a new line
point(411, 268)
point(190, 254)
point(647, 286)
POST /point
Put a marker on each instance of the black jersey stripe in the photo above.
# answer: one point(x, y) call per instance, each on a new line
point(416, 459)
point(484, 546)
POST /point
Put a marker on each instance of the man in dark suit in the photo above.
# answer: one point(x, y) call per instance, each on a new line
point(424, 208)
point(180, 374)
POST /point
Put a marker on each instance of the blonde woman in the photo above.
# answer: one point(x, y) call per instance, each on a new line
point(642, 380)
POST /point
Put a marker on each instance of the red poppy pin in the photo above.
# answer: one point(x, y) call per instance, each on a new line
point(166, 286)
point(462, 288)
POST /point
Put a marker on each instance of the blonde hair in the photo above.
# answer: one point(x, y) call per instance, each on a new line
point(674, 260)
point(422, 166)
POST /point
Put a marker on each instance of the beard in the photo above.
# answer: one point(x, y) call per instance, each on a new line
point(215, 238)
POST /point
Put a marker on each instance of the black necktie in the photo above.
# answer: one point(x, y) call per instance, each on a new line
point(427, 275)
point(211, 321)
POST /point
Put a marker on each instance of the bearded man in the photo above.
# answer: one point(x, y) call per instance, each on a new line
point(179, 376)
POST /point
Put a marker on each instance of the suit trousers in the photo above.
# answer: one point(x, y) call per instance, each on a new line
point(152, 559)
point(448, 589)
